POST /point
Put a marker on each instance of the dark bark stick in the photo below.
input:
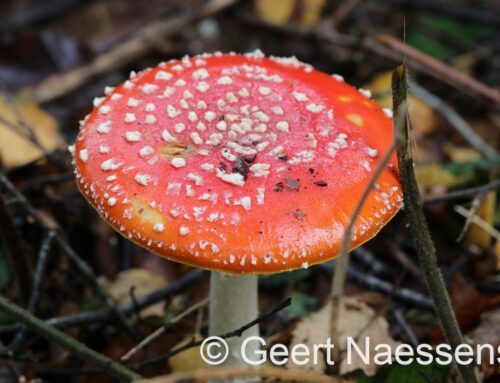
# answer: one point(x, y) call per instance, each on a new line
point(425, 249)
point(53, 335)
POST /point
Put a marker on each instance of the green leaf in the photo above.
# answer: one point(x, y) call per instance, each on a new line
point(280, 279)
point(302, 305)
point(396, 373)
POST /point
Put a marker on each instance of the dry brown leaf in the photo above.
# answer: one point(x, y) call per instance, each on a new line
point(16, 149)
point(377, 331)
point(488, 332)
point(143, 281)
point(357, 320)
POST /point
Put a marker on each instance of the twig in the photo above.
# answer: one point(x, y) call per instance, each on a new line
point(403, 324)
point(342, 265)
point(53, 335)
point(15, 250)
point(195, 343)
point(407, 262)
point(139, 44)
point(375, 266)
point(229, 373)
point(478, 221)
point(464, 193)
point(455, 120)
point(29, 13)
point(191, 344)
point(390, 48)
point(82, 266)
point(413, 208)
point(374, 283)
point(471, 213)
point(126, 308)
point(22, 124)
point(441, 71)
point(155, 334)
point(461, 11)
point(43, 257)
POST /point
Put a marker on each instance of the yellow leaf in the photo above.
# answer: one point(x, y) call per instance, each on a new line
point(496, 251)
point(461, 153)
point(17, 149)
point(188, 360)
point(434, 175)
point(486, 211)
point(275, 12)
point(423, 117)
point(142, 281)
point(312, 12)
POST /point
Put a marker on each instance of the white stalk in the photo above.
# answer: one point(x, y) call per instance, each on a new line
point(233, 303)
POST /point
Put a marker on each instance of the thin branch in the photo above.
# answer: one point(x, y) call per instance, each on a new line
point(126, 309)
point(455, 120)
point(43, 257)
point(230, 373)
point(441, 71)
point(82, 266)
point(486, 226)
point(155, 334)
point(195, 343)
point(53, 335)
point(464, 193)
point(425, 249)
point(372, 282)
point(139, 44)
point(15, 250)
point(471, 213)
point(342, 264)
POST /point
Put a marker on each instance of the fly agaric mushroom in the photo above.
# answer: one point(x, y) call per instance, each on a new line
point(240, 164)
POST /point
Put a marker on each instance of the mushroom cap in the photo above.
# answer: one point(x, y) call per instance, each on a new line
point(237, 163)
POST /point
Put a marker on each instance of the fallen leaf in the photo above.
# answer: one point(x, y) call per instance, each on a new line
point(17, 149)
point(188, 360)
point(432, 175)
point(275, 12)
point(476, 235)
point(311, 12)
point(488, 332)
point(423, 118)
point(468, 304)
point(142, 281)
point(377, 331)
point(461, 153)
point(357, 320)
point(279, 12)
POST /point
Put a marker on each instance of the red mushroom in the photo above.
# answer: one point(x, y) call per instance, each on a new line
point(240, 164)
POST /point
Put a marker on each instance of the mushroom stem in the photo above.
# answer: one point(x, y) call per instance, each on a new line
point(233, 304)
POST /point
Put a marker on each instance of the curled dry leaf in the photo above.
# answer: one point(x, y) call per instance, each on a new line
point(142, 282)
point(488, 332)
point(15, 121)
point(357, 320)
